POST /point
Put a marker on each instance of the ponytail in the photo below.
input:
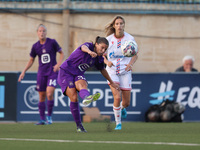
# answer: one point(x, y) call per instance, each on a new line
point(101, 40)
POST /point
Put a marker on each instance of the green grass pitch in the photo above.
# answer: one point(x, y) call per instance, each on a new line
point(101, 136)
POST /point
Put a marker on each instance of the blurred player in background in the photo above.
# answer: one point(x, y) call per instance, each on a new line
point(46, 50)
point(71, 75)
point(119, 67)
point(188, 62)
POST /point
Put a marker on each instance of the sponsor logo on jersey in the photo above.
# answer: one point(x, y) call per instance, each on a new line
point(45, 58)
point(112, 55)
point(83, 67)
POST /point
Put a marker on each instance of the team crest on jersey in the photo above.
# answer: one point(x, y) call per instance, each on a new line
point(112, 42)
point(44, 51)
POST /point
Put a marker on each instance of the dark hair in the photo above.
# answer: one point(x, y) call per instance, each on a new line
point(101, 40)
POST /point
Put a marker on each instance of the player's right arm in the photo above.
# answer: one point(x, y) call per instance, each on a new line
point(85, 49)
point(28, 65)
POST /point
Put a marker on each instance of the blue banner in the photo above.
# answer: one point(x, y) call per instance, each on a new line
point(147, 89)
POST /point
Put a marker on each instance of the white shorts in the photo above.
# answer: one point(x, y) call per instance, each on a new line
point(124, 80)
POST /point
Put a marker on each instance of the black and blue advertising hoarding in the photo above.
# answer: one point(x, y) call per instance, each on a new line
point(147, 89)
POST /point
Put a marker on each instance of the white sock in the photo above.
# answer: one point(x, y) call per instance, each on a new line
point(122, 107)
point(117, 114)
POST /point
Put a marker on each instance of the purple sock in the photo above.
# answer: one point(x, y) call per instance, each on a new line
point(83, 93)
point(74, 107)
point(50, 104)
point(42, 108)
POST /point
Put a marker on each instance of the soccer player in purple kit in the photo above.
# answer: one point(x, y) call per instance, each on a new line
point(46, 50)
point(71, 75)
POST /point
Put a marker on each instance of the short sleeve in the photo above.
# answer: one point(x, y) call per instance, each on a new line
point(33, 53)
point(57, 46)
point(89, 45)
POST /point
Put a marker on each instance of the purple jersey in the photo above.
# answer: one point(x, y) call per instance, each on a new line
point(46, 55)
point(79, 61)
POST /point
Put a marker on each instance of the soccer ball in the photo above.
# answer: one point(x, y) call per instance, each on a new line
point(129, 48)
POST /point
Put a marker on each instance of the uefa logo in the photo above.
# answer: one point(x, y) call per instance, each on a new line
point(31, 98)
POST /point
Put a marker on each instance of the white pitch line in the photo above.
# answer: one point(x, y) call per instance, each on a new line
point(90, 82)
point(81, 112)
point(107, 142)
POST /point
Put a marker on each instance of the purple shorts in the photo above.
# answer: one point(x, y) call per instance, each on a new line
point(44, 81)
point(66, 79)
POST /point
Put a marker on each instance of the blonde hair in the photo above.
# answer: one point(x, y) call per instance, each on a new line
point(41, 25)
point(109, 29)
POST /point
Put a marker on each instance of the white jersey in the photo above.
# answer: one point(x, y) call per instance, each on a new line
point(114, 54)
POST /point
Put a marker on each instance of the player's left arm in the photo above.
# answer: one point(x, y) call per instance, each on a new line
point(130, 64)
point(58, 49)
point(57, 66)
point(106, 75)
point(108, 63)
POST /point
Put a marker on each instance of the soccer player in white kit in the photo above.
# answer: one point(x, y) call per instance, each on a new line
point(119, 67)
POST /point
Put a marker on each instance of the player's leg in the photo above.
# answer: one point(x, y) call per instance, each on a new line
point(125, 102)
point(116, 104)
point(50, 103)
point(67, 84)
point(51, 85)
point(125, 84)
point(117, 107)
point(41, 88)
point(81, 85)
point(74, 107)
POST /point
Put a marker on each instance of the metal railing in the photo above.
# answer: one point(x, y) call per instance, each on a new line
point(106, 6)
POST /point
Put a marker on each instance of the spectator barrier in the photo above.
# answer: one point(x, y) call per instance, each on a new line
point(148, 89)
point(104, 6)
